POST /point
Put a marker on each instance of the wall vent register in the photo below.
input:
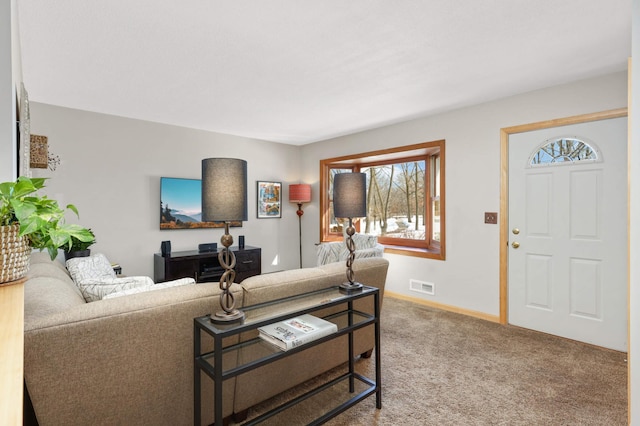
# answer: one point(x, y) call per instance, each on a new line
point(422, 287)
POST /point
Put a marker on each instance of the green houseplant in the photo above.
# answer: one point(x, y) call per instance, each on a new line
point(37, 220)
point(77, 247)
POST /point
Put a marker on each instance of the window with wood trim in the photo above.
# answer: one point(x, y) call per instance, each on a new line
point(405, 198)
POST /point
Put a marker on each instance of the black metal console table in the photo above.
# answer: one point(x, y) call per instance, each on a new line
point(348, 320)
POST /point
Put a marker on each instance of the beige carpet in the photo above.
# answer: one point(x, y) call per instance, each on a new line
point(441, 368)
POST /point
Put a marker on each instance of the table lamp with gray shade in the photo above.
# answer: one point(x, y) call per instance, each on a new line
point(349, 201)
point(224, 199)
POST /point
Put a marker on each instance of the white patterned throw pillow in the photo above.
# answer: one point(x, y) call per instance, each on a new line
point(362, 243)
point(94, 267)
point(328, 252)
point(143, 289)
point(96, 278)
point(93, 290)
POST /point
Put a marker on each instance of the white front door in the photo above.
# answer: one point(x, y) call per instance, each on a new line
point(568, 232)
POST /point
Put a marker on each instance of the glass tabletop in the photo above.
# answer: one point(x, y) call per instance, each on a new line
point(279, 309)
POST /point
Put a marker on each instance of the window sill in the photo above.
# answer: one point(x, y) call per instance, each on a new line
point(414, 251)
point(403, 250)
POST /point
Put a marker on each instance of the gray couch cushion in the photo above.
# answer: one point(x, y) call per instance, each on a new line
point(266, 287)
point(44, 296)
point(49, 288)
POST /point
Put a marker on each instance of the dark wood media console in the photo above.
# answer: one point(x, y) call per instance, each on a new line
point(204, 266)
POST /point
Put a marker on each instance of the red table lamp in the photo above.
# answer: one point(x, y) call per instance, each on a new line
point(300, 193)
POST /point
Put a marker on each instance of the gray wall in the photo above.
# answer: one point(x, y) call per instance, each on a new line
point(111, 168)
point(469, 278)
point(10, 77)
point(125, 173)
point(634, 238)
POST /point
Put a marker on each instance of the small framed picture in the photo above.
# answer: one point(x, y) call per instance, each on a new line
point(269, 199)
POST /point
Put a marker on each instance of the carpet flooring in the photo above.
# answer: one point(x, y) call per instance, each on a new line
point(442, 368)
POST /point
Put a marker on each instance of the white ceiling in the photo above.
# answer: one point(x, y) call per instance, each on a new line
point(300, 71)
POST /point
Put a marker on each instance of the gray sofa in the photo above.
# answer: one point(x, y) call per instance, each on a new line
point(129, 360)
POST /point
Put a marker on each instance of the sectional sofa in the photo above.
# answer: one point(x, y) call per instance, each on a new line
point(129, 360)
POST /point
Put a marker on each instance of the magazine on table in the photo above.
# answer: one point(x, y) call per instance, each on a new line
point(296, 331)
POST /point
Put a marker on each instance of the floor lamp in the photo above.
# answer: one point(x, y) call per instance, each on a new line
point(300, 193)
point(349, 201)
point(224, 199)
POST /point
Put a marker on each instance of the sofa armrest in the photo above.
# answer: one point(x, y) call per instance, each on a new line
point(124, 361)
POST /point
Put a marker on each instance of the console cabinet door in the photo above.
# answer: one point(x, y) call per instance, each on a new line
point(182, 268)
point(248, 264)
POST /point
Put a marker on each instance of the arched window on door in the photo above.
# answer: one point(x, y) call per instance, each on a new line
point(564, 150)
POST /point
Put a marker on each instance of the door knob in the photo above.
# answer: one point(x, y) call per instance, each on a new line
point(515, 244)
point(515, 231)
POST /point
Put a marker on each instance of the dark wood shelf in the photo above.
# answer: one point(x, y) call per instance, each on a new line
point(204, 266)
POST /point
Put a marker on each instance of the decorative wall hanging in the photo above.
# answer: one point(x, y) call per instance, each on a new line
point(39, 152)
point(24, 151)
point(39, 155)
point(53, 161)
point(269, 199)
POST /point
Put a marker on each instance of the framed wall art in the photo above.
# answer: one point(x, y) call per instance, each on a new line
point(181, 205)
point(269, 199)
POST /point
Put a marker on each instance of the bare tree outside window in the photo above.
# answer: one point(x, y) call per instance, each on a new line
point(404, 197)
point(396, 200)
point(563, 150)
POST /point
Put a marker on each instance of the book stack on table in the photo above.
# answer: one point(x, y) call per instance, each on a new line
point(296, 331)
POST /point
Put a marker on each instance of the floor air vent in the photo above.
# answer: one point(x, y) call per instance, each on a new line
point(422, 287)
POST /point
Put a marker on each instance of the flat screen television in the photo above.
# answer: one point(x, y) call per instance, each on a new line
point(181, 205)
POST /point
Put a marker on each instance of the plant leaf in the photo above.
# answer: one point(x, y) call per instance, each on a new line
point(73, 209)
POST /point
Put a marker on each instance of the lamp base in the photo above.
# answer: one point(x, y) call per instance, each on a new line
point(222, 317)
point(350, 287)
